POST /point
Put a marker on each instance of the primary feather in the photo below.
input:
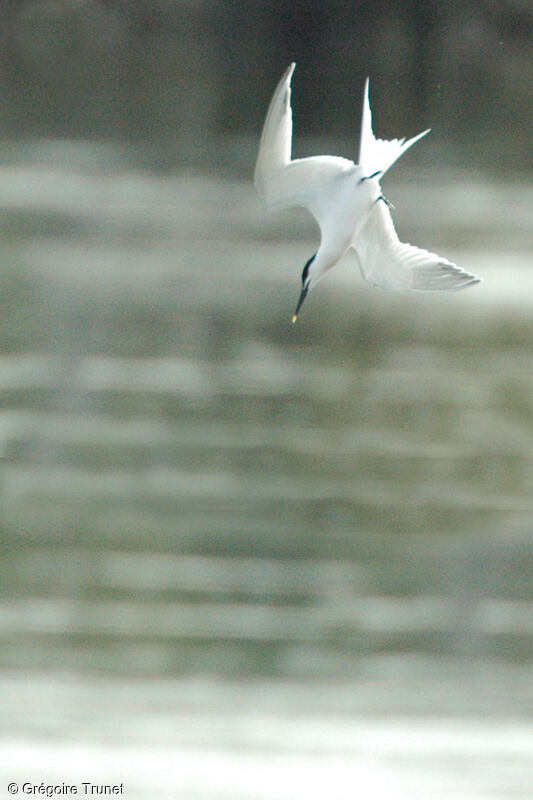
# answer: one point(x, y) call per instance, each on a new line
point(280, 182)
point(387, 262)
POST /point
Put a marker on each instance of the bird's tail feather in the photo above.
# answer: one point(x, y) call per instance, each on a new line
point(378, 155)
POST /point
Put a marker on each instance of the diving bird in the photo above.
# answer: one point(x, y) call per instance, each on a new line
point(347, 202)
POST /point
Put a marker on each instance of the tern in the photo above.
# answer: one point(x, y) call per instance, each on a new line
point(347, 202)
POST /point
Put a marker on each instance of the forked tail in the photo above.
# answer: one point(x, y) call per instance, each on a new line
point(378, 155)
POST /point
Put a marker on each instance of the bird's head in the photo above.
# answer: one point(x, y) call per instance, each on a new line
point(308, 278)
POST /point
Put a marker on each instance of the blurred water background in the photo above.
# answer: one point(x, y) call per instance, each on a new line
point(240, 558)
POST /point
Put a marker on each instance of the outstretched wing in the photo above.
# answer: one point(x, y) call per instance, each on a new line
point(276, 139)
point(280, 182)
point(391, 264)
point(377, 155)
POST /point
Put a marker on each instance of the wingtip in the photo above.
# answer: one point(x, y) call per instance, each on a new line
point(287, 75)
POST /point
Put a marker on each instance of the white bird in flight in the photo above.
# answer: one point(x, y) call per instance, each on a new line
point(347, 202)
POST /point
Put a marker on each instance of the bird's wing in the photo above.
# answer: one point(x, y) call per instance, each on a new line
point(378, 155)
point(391, 264)
point(280, 182)
point(302, 182)
point(276, 139)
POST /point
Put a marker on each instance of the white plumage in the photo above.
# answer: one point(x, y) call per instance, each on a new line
point(346, 200)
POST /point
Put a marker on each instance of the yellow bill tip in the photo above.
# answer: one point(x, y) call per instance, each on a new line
point(295, 318)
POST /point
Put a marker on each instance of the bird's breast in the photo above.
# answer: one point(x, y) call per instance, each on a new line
point(354, 204)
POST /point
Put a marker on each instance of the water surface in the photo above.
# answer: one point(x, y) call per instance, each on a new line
point(272, 556)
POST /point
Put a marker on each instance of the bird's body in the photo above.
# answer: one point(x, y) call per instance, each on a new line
point(345, 199)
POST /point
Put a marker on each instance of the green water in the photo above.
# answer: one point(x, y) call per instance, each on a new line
point(193, 489)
